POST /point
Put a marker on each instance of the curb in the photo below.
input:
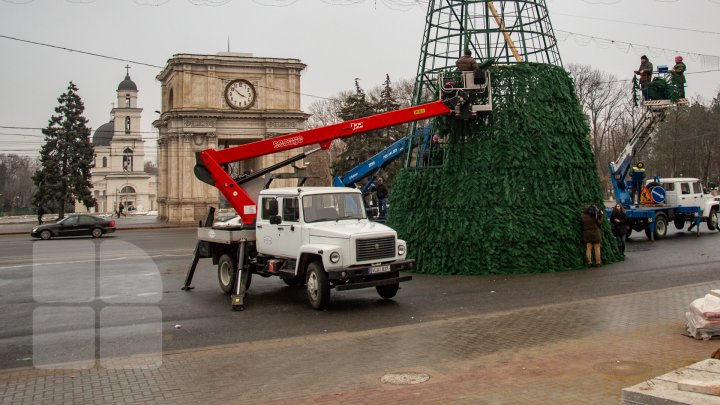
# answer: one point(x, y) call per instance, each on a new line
point(116, 229)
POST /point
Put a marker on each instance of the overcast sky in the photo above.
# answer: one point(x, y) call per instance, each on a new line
point(339, 40)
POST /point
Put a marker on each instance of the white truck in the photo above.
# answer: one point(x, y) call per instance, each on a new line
point(687, 191)
point(316, 236)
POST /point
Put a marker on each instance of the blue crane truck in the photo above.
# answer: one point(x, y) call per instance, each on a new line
point(677, 200)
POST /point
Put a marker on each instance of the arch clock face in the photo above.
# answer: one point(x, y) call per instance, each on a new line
point(240, 94)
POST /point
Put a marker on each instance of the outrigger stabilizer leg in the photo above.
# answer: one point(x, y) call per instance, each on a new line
point(196, 254)
point(238, 296)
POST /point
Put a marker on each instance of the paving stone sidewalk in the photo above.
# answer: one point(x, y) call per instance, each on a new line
point(580, 353)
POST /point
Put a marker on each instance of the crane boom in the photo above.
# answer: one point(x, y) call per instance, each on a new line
point(209, 167)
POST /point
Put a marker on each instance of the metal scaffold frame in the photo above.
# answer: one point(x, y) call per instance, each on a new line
point(509, 32)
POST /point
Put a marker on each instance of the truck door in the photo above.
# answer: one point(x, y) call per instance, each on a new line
point(279, 239)
point(696, 195)
point(289, 231)
point(690, 193)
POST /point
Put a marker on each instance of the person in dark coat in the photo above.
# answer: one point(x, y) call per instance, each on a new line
point(466, 63)
point(40, 213)
point(381, 192)
point(645, 72)
point(591, 219)
point(620, 227)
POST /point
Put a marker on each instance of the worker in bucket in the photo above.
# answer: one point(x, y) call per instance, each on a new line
point(677, 76)
point(645, 72)
point(466, 63)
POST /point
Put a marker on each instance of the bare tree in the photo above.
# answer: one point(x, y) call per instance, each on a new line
point(16, 185)
point(687, 143)
point(606, 102)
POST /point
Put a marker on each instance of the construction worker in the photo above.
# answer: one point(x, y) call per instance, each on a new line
point(645, 71)
point(638, 179)
point(466, 63)
point(677, 76)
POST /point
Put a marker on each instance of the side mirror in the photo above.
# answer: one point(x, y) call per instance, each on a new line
point(275, 220)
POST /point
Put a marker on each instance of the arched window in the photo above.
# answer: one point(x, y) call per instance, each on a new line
point(127, 125)
point(127, 190)
point(128, 160)
point(170, 100)
point(104, 161)
point(127, 101)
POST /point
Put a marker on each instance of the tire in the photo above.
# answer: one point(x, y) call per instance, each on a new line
point(227, 271)
point(387, 291)
point(712, 221)
point(45, 235)
point(679, 222)
point(318, 286)
point(96, 233)
point(661, 225)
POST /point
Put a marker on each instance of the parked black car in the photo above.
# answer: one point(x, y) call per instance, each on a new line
point(75, 225)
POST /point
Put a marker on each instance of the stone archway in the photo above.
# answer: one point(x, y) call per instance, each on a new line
point(197, 114)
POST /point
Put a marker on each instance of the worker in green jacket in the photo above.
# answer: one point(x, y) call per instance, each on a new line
point(677, 76)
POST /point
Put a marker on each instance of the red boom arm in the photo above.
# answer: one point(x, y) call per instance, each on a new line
point(238, 198)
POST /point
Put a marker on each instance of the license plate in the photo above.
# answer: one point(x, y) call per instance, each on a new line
point(379, 269)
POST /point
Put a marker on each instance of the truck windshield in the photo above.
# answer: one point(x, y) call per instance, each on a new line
point(331, 207)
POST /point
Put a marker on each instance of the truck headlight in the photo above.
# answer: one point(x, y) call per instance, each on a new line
point(334, 257)
point(401, 250)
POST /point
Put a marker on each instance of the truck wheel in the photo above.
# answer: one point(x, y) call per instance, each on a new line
point(387, 291)
point(661, 225)
point(712, 221)
point(679, 222)
point(226, 273)
point(318, 286)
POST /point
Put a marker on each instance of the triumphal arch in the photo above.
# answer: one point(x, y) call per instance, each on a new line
point(218, 101)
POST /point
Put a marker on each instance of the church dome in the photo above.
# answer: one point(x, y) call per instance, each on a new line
point(127, 84)
point(103, 135)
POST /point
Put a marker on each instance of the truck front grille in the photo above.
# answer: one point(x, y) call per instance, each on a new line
point(373, 249)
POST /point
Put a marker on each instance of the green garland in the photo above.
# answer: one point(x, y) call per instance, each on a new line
point(509, 196)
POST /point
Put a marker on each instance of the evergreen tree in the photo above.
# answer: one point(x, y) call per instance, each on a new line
point(66, 158)
point(388, 101)
point(361, 147)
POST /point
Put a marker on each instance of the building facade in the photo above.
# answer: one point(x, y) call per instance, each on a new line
point(119, 176)
point(219, 101)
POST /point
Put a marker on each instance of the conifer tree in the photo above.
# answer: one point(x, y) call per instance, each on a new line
point(66, 157)
point(362, 147)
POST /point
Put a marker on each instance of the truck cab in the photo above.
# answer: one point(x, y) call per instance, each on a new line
point(326, 224)
point(688, 191)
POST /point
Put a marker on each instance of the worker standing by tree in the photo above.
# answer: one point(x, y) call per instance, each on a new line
point(677, 76)
point(591, 220)
point(645, 72)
